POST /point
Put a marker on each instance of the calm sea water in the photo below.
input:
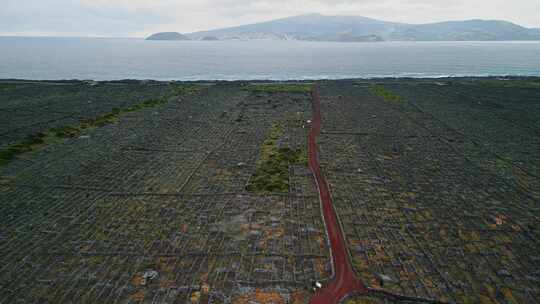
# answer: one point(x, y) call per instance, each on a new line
point(107, 59)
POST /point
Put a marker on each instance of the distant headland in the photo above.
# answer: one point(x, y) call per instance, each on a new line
point(168, 36)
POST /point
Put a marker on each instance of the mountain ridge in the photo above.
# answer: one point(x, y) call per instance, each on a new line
point(317, 27)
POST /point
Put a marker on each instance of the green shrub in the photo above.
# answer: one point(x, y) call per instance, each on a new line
point(280, 88)
point(26, 144)
point(33, 142)
point(382, 92)
point(272, 172)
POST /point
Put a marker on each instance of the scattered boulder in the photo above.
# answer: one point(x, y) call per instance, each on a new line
point(385, 279)
point(148, 276)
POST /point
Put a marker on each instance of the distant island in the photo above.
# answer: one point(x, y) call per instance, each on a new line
point(168, 36)
point(209, 38)
point(317, 27)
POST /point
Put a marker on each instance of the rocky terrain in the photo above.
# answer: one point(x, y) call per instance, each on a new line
point(200, 192)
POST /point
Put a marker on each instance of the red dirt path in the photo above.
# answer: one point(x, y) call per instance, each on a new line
point(344, 281)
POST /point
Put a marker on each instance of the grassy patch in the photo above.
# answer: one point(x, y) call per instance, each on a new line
point(272, 173)
point(280, 88)
point(382, 92)
point(35, 141)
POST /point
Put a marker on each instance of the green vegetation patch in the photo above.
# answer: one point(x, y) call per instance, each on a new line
point(35, 141)
point(280, 88)
point(382, 92)
point(6, 87)
point(183, 90)
point(105, 119)
point(26, 144)
point(272, 173)
point(510, 83)
point(365, 300)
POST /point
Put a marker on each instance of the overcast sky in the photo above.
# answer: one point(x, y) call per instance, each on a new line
point(137, 18)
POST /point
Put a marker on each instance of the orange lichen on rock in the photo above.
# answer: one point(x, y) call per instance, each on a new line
point(184, 228)
point(500, 219)
point(298, 297)
point(138, 296)
point(274, 233)
point(204, 277)
point(260, 297)
point(195, 297)
point(321, 241)
point(255, 226)
point(86, 248)
point(205, 288)
point(319, 265)
point(245, 227)
point(137, 280)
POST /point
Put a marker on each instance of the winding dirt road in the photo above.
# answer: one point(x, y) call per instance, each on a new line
point(344, 281)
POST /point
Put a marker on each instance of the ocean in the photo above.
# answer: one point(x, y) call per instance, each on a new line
point(122, 58)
